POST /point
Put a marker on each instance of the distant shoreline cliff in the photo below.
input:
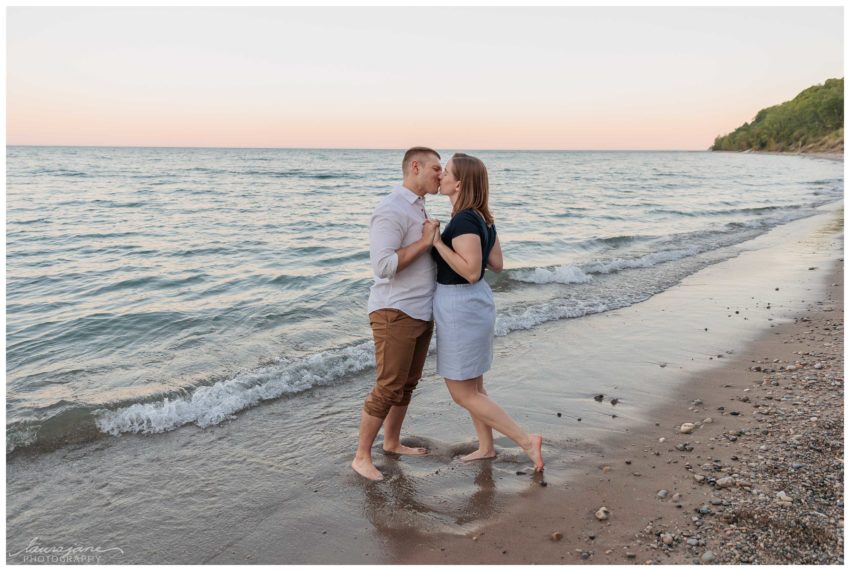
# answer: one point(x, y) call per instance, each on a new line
point(812, 122)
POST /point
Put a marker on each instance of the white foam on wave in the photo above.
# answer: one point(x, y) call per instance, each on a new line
point(213, 404)
point(538, 314)
point(572, 274)
point(646, 261)
point(576, 274)
point(560, 275)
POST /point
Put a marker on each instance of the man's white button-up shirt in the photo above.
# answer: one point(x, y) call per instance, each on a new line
point(396, 223)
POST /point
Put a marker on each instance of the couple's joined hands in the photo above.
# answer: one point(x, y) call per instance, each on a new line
point(431, 230)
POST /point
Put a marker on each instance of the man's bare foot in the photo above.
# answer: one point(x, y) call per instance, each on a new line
point(406, 450)
point(479, 455)
point(535, 452)
point(365, 468)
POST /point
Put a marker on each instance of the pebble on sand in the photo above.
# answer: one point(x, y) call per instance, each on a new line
point(556, 536)
point(602, 513)
point(726, 482)
point(687, 428)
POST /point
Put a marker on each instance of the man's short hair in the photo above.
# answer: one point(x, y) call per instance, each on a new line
point(413, 154)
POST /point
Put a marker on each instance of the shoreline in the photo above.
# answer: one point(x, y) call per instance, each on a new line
point(827, 155)
point(776, 436)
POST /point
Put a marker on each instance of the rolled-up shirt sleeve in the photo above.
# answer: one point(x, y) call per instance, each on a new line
point(385, 237)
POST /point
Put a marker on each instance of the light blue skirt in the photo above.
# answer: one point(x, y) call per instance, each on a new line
point(465, 318)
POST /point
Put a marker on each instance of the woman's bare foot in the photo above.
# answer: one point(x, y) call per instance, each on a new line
point(535, 451)
point(365, 468)
point(406, 450)
point(479, 455)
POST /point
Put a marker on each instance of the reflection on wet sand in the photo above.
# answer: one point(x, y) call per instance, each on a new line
point(481, 502)
point(418, 495)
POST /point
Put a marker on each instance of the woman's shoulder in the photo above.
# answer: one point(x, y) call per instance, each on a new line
point(467, 214)
point(466, 221)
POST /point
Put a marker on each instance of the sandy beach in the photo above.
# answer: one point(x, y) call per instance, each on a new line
point(757, 479)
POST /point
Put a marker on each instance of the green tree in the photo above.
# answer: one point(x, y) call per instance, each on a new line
point(813, 120)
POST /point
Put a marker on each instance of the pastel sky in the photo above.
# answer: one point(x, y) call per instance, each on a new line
point(393, 77)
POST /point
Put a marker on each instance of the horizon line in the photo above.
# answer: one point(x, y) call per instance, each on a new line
point(353, 148)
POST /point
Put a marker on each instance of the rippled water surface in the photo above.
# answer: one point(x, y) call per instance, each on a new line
point(150, 288)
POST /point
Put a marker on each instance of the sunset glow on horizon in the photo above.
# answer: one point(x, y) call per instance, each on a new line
point(474, 78)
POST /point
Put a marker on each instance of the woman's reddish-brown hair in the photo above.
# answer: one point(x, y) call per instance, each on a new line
point(474, 185)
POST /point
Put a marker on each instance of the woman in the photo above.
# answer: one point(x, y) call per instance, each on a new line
point(464, 311)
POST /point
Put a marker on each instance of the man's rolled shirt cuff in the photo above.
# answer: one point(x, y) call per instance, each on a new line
point(386, 268)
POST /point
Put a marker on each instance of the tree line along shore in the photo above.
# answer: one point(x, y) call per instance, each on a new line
point(812, 122)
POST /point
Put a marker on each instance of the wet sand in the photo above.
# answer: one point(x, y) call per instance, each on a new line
point(770, 421)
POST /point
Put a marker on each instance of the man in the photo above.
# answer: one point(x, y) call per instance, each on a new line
point(400, 304)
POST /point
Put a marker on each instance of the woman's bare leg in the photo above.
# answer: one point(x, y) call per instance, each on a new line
point(484, 432)
point(482, 407)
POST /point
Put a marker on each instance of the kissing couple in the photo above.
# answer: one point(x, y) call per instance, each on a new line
point(423, 277)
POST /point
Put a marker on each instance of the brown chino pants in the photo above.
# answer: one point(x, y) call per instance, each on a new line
point(401, 345)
